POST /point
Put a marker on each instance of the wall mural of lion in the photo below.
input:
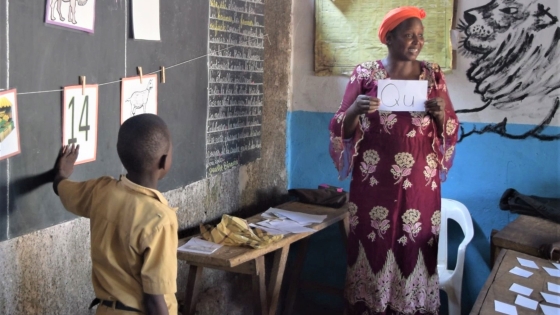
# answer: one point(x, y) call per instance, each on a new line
point(516, 49)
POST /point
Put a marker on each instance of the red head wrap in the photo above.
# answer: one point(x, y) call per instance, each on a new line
point(395, 17)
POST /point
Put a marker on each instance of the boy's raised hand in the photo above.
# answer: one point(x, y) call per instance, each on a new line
point(64, 165)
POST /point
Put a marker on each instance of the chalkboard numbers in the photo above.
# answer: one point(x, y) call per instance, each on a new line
point(82, 129)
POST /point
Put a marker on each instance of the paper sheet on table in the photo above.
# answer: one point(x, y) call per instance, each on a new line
point(402, 95)
point(521, 272)
point(552, 287)
point(505, 308)
point(551, 298)
point(552, 271)
point(302, 218)
point(556, 265)
point(521, 289)
point(145, 19)
point(197, 245)
point(267, 229)
point(527, 263)
point(550, 310)
point(526, 302)
point(286, 226)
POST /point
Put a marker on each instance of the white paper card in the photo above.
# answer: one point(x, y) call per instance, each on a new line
point(521, 272)
point(552, 287)
point(270, 231)
point(520, 289)
point(550, 310)
point(199, 246)
point(9, 124)
point(79, 120)
point(145, 19)
point(556, 265)
point(302, 218)
point(527, 263)
point(551, 298)
point(505, 308)
point(286, 226)
point(552, 271)
point(138, 96)
point(402, 95)
point(526, 302)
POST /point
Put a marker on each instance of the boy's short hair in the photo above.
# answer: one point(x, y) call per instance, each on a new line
point(142, 140)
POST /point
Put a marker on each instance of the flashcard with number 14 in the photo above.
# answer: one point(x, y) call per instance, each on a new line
point(79, 120)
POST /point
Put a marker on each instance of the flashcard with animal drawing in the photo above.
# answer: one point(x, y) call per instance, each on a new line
point(79, 120)
point(138, 97)
point(76, 14)
point(9, 125)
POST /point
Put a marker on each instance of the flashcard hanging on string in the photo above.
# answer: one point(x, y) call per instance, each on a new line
point(138, 96)
point(79, 120)
point(75, 14)
point(9, 125)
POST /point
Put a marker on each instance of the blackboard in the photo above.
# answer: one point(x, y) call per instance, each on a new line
point(44, 58)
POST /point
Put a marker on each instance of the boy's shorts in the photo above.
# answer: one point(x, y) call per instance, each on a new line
point(106, 310)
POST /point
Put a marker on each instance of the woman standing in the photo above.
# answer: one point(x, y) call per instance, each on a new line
point(397, 161)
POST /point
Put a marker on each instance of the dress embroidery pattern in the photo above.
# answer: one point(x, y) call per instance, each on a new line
point(430, 170)
point(379, 220)
point(369, 163)
point(387, 120)
point(436, 222)
point(420, 120)
point(450, 126)
point(353, 209)
point(419, 292)
point(403, 167)
point(410, 223)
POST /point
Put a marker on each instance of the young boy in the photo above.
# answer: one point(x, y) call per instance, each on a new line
point(133, 230)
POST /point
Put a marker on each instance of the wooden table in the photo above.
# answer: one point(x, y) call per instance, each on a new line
point(500, 280)
point(250, 261)
point(525, 234)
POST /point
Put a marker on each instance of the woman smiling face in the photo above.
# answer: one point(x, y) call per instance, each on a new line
point(406, 40)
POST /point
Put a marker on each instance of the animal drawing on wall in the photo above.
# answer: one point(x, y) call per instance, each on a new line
point(76, 14)
point(515, 48)
point(138, 96)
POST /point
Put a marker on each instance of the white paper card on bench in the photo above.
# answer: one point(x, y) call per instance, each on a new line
point(527, 263)
point(552, 271)
point(402, 95)
point(521, 289)
point(267, 229)
point(551, 298)
point(552, 287)
point(505, 308)
point(556, 265)
point(303, 218)
point(526, 302)
point(199, 246)
point(550, 310)
point(521, 272)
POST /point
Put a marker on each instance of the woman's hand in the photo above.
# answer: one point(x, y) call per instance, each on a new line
point(364, 105)
point(435, 107)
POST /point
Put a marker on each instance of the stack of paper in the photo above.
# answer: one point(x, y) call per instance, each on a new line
point(280, 221)
point(200, 246)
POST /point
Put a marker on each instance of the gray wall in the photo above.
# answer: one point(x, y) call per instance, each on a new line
point(48, 271)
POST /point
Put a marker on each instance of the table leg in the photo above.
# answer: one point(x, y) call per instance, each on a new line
point(276, 276)
point(344, 226)
point(293, 285)
point(259, 287)
point(193, 288)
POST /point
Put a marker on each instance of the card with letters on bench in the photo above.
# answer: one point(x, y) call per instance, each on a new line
point(523, 293)
point(278, 221)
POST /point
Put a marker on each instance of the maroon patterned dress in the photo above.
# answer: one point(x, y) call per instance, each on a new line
point(397, 161)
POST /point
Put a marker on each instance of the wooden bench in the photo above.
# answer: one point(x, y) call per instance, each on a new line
point(525, 234)
point(250, 261)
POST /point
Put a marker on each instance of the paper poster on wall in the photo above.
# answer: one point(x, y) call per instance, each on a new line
point(75, 14)
point(79, 120)
point(145, 19)
point(402, 95)
point(138, 96)
point(9, 125)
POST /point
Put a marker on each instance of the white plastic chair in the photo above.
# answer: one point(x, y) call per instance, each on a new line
point(451, 281)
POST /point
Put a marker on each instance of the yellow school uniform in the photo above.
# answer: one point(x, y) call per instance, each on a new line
point(133, 239)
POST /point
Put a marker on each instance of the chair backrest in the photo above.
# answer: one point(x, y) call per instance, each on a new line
point(453, 209)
